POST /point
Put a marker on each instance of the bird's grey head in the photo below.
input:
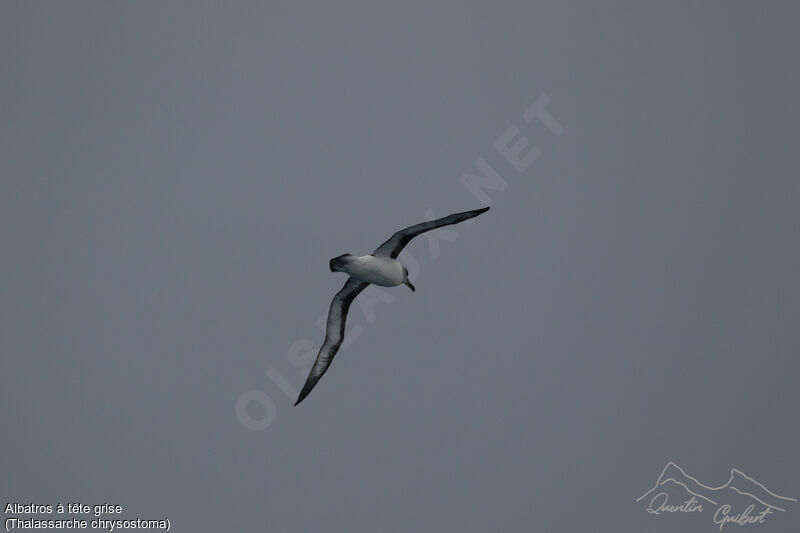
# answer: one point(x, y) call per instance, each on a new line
point(338, 262)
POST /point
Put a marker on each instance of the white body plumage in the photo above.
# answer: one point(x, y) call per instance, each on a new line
point(383, 271)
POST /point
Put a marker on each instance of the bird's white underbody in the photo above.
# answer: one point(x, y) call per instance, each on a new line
point(383, 271)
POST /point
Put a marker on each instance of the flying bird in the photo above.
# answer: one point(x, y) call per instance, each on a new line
point(381, 268)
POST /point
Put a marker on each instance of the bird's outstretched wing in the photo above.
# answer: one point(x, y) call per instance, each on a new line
point(398, 241)
point(334, 332)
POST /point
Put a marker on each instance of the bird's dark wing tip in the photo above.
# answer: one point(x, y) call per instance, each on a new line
point(310, 382)
point(300, 399)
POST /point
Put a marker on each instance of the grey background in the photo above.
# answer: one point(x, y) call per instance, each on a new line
point(175, 177)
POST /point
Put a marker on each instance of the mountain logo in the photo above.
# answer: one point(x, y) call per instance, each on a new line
point(741, 500)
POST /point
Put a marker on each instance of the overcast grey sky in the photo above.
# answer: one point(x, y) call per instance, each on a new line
point(175, 176)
